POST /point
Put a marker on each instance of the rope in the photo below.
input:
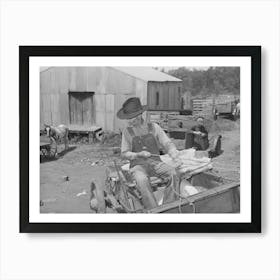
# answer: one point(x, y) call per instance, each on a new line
point(182, 197)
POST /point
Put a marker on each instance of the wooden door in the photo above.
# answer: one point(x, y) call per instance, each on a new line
point(81, 108)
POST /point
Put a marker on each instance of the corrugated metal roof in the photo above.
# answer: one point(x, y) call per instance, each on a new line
point(147, 74)
point(143, 73)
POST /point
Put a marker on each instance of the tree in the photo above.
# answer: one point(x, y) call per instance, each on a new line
point(214, 80)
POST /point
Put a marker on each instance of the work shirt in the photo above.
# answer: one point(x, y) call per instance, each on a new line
point(161, 137)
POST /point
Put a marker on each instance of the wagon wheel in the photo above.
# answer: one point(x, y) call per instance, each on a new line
point(42, 154)
point(123, 197)
point(44, 151)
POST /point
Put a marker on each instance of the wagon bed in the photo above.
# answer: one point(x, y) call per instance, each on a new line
point(215, 195)
point(47, 148)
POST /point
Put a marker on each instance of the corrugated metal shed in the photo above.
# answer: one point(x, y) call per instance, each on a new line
point(93, 95)
point(147, 74)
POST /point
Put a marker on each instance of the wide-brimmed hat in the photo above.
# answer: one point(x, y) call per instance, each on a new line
point(131, 108)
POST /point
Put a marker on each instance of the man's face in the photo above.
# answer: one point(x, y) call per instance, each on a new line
point(135, 121)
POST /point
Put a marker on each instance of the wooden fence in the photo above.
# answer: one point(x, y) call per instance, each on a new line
point(202, 106)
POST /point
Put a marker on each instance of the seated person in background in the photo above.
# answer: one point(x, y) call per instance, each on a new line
point(140, 145)
point(200, 139)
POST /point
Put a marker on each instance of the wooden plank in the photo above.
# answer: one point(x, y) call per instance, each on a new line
point(71, 108)
point(99, 110)
point(213, 191)
point(141, 91)
point(41, 112)
point(202, 101)
point(79, 111)
point(76, 109)
point(209, 201)
point(83, 128)
point(173, 207)
point(81, 79)
point(171, 97)
point(181, 117)
point(165, 87)
point(72, 78)
point(202, 106)
point(63, 90)
point(181, 123)
point(64, 108)
point(93, 78)
point(152, 94)
point(87, 109)
point(54, 109)
point(110, 112)
point(160, 89)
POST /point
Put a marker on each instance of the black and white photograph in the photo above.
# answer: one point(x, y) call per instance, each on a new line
point(140, 139)
point(127, 133)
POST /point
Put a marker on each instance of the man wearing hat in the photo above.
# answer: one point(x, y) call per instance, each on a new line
point(140, 145)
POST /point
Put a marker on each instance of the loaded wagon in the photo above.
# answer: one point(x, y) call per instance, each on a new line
point(226, 106)
point(200, 192)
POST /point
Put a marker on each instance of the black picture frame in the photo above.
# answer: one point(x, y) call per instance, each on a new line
point(254, 52)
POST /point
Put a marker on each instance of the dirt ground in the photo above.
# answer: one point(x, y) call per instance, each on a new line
point(65, 181)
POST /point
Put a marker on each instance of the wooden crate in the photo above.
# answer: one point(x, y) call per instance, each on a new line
point(91, 131)
point(202, 106)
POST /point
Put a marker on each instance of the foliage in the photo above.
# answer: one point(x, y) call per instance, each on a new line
point(211, 81)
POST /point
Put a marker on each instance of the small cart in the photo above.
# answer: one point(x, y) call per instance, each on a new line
point(48, 148)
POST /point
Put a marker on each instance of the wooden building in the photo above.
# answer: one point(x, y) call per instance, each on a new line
point(85, 96)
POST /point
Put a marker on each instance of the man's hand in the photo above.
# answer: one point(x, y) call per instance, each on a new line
point(144, 154)
point(199, 133)
point(174, 154)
